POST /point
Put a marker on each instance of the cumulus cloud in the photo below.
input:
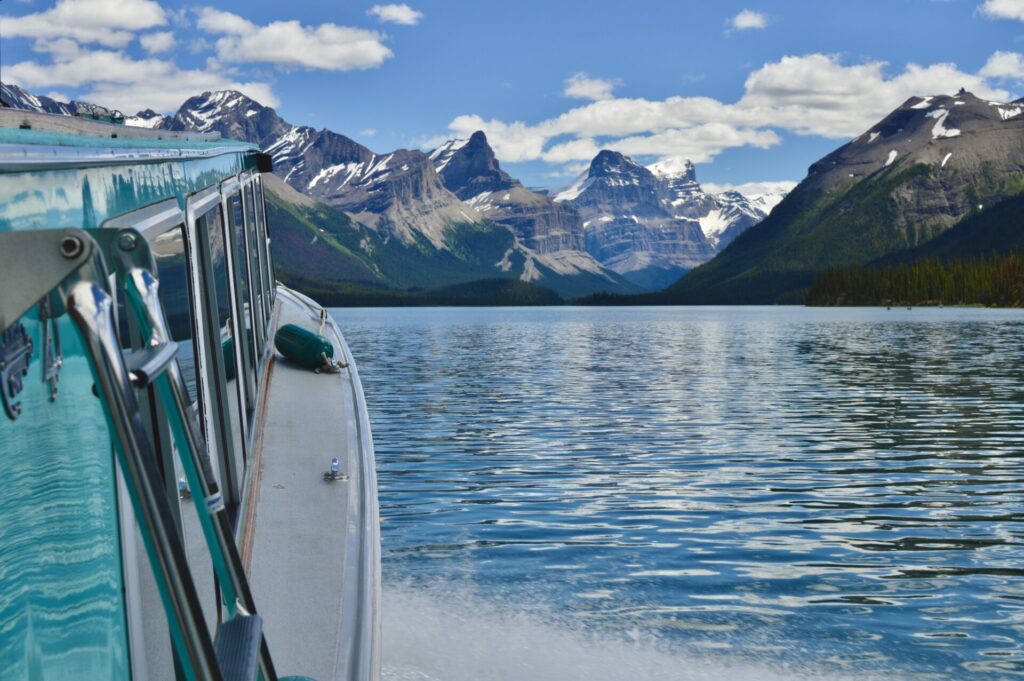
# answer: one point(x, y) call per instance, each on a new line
point(1003, 9)
point(111, 23)
point(814, 94)
point(88, 47)
point(747, 20)
point(581, 86)
point(289, 43)
point(750, 188)
point(396, 14)
point(1004, 65)
point(154, 43)
point(115, 79)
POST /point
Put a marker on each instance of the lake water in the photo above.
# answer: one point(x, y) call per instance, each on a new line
point(698, 493)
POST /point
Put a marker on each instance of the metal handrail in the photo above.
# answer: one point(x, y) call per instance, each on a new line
point(90, 307)
point(142, 295)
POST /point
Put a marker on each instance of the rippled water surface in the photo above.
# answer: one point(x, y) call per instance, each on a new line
point(829, 490)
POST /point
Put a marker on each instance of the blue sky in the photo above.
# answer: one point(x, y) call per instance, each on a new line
point(751, 91)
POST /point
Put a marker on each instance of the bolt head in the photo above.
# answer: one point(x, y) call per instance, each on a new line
point(71, 247)
point(127, 241)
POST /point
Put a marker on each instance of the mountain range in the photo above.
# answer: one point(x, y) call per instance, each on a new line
point(604, 238)
point(410, 220)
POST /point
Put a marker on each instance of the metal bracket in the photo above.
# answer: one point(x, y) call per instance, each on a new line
point(15, 353)
point(124, 249)
point(34, 263)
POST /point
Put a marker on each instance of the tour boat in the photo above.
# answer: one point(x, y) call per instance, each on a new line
point(177, 500)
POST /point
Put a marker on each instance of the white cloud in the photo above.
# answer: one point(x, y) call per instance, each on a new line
point(814, 94)
point(582, 86)
point(511, 142)
point(154, 43)
point(750, 188)
point(114, 79)
point(574, 150)
point(368, 132)
point(396, 14)
point(217, 21)
point(1003, 9)
point(1004, 65)
point(289, 43)
point(167, 95)
point(700, 143)
point(746, 20)
point(111, 23)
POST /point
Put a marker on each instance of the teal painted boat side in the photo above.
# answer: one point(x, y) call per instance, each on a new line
point(63, 579)
point(62, 609)
point(86, 197)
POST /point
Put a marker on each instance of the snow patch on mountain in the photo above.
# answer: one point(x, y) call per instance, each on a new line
point(940, 130)
point(145, 119)
point(443, 154)
point(714, 223)
point(722, 215)
point(1007, 114)
point(579, 185)
point(673, 168)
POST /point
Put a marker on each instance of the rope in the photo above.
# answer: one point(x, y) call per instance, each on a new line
point(330, 366)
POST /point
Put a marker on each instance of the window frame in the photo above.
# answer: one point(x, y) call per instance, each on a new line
point(257, 280)
point(219, 421)
point(263, 235)
point(245, 356)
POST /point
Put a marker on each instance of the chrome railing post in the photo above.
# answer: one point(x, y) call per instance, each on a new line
point(91, 309)
point(133, 262)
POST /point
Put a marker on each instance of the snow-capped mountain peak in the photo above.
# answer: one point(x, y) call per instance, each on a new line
point(672, 168)
point(145, 119)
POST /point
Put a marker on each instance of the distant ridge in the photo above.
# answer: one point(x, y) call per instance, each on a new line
point(927, 165)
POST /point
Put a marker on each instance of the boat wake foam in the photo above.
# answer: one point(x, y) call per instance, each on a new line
point(456, 635)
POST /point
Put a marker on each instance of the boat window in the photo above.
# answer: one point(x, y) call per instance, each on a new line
point(170, 254)
point(247, 339)
point(255, 278)
point(163, 227)
point(264, 243)
point(213, 240)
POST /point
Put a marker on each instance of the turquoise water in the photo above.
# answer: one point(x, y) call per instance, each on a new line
point(698, 492)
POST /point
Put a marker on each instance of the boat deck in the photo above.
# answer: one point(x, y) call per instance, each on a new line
point(310, 545)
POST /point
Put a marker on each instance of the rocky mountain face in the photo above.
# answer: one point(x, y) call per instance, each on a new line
point(549, 234)
point(398, 193)
point(629, 228)
point(470, 170)
point(14, 97)
point(929, 164)
point(723, 216)
point(653, 224)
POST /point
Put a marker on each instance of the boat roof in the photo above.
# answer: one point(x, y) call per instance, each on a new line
point(30, 140)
